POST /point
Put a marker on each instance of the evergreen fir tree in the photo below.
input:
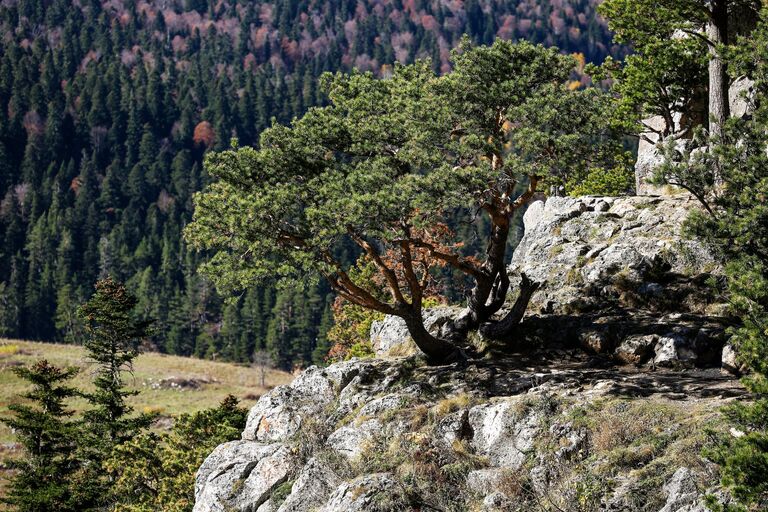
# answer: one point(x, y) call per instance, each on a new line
point(112, 339)
point(42, 478)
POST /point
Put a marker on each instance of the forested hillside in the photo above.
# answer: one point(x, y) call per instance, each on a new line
point(107, 109)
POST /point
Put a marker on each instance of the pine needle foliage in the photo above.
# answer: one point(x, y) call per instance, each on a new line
point(43, 427)
point(112, 340)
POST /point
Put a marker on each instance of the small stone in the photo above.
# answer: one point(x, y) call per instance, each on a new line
point(730, 362)
point(453, 427)
point(598, 342)
point(673, 350)
point(636, 349)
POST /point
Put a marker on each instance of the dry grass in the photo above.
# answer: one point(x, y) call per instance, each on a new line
point(625, 423)
point(222, 379)
point(406, 349)
point(452, 404)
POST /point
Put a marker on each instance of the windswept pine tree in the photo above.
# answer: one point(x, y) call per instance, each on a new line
point(107, 109)
point(385, 166)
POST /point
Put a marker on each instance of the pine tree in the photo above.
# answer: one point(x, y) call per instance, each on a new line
point(323, 344)
point(734, 224)
point(42, 478)
point(112, 339)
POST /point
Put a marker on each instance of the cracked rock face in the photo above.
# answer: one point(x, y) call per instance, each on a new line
point(683, 494)
point(574, 244)
point(619, 278)
point(240, 476)
point(491, 427)
point(279, 413)
point(314, 484)
point(503, 433)
point(362, 493)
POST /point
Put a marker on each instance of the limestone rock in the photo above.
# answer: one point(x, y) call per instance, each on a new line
point(674, 350)
point(240, 475)
point(521, 426)
point(312, 488)
point(584, 256)
point(278, 414)
point(636, 349)
point(615, 270)
point(649, 157)
point(502, 432)
point(741, 95)
point(730, 362)
point(485, 481)
point(453, 427)
point(598, 342)
point(390, 402)
point(350, 440)
point(378, 491)
point(571, 439)
point(496, 502)
point(682, 493)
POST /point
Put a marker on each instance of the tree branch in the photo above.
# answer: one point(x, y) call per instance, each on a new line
point(526, 196)
point(410, 275)
point(453, 260)
point(699, 35)
point(388, 273)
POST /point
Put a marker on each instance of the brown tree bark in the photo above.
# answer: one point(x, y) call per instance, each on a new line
point(504, 327)
point(717, 33)
point(492, 281)
point(437, 350)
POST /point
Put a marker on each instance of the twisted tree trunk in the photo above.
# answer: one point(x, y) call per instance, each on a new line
point(504, 327)
point(491, 283)
point(437, 350)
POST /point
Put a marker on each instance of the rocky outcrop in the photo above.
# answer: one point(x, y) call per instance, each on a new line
point(598, 402)
point(241, 475)
point(395, 435)
point(579, 246)
point(619, 278)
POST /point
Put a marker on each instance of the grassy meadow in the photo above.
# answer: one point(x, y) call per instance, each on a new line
point(168, 385)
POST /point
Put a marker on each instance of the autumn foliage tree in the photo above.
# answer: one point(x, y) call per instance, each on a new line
point(204, 134)
point(386, 162)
